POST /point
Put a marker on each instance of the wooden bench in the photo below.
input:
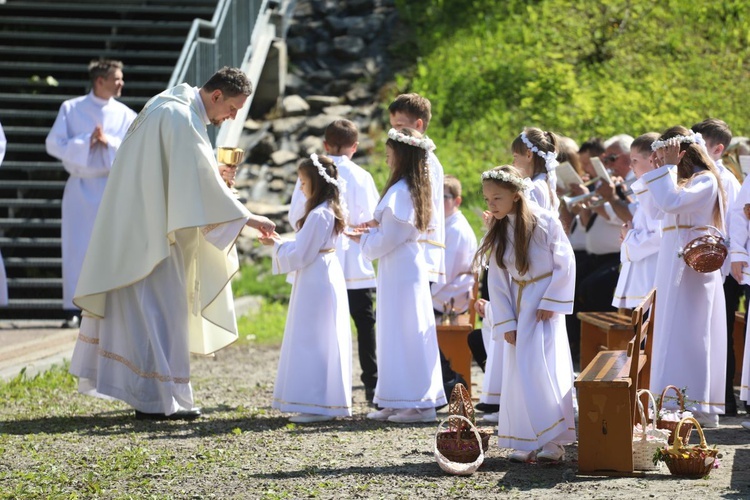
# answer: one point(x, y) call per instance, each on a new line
point(738, 337)
point(602, 331)
point(453, 340)
point(606, 391)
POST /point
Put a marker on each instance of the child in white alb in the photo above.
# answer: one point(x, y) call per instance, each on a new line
point(641, 237)
point(315, 367)
point(531, 283)
point(410, 384)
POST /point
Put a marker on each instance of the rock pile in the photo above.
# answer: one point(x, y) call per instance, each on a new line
point(338, 62)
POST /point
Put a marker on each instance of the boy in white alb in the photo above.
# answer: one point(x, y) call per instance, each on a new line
point(461, 245)
point(360, 198)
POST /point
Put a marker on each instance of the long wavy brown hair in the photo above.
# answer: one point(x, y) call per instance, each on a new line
point(496, 239)
point(410, 163)
point(321, 190)
point(696, 162)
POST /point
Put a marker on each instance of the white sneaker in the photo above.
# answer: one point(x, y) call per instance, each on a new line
point(746, 425)
point(707, 420)
point(551, 452)
point(412, 415)
point(522, 456)
point(306, 418)
point(491, 417)
point(381, 414)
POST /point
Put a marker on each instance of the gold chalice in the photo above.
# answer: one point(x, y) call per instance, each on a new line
point(231, 157)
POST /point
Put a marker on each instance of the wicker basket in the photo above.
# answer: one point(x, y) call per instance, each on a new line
point(690, 461)
point(445, 458)
point(706, 253)
point(671, 425)
point(462, 443)
point(648, 438)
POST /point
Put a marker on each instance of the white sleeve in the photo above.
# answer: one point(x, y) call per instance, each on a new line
point(699, 194)
point(310, 240)
point(72, 151)
point(391, 233)
point(561, 289)
point(3, 144)
point(297, 206)
point(738, 225)
point(501, 304)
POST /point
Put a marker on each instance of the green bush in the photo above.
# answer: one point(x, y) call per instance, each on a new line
point(583, 69)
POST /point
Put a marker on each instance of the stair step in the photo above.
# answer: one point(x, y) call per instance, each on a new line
point(10, 184)
point(29, 222)
point(34, 282)
point(6, 242)
point(93, 24)
point(57, 99)
point(25, 131)
point(17, 147)
point(50, 115)
point(35, 304)
point(32, 262)
point(43, 53)
point(79, 86)
point(115, 9)
point(29, 203)
point(45, 68)
point(94, 40)
point(31, 165)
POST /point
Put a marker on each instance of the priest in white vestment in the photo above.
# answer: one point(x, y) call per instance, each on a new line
point(155, 282)
point(86, 135)
point(3, 279)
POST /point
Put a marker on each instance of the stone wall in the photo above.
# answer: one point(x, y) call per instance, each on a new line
point(338, 64)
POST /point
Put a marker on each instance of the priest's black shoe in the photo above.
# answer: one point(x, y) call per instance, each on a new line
point(180, 415)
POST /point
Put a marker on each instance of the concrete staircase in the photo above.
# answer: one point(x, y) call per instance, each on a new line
point(45, 48)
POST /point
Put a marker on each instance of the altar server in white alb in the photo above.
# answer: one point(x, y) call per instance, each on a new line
point(531, 285)
point(415, 111)
point(689, 349)
point(360, 196)
point(155, 284)
point(3, 278)
point(461, 245)
point(535, 156)
point(739, 253)
point(410, 384)
point(641, 237)
point(315, 367)
point(86, 135)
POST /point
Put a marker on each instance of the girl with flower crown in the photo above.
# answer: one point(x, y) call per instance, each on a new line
point(534, 154)
point(531, 279)
point(690, 345)
point(410, 384)
point(315, 367)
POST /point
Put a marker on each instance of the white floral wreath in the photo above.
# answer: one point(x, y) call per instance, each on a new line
point(503, 176)
point(424, 143)
point(322, 170)
point(550, 157)
point(695, 138)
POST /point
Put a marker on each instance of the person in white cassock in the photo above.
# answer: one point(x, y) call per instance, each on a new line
point(410, 384)
point(459, 253)
point(86, 135)
point(641, 237)
point(531, 284)
point(689, 349)
point(359, 196)
point(3, 278)
point(315, 368)
point(155, 281)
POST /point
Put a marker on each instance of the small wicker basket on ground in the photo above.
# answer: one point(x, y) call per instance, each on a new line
point(671, 425)
point(689, 461)
point(647, 438)
point(459, 443)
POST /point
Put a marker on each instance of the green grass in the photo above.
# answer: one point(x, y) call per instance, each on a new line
point(257, 279)
point(265, 326)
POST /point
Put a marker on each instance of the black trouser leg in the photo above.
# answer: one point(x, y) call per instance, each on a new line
point(476, 346)
point(732, 293)
point(363, 314)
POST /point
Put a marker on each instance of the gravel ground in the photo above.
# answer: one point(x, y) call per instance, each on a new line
point(83, 447)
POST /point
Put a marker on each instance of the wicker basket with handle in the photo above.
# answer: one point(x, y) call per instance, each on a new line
point(689, 461)
point(647, 438)
point(671, 425)
point(460, 443)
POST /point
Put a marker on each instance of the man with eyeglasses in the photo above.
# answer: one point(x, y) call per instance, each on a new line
point(616, 159)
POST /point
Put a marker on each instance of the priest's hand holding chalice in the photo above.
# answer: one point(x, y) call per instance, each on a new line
point(228, 159)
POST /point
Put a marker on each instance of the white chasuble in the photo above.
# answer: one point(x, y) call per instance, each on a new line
point(690, 329)
point(315, 367)
point(409, 374)
point(536, 400)
point(155, 282)
point(69, 140)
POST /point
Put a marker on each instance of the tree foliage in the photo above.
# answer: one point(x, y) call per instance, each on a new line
point(581, 69)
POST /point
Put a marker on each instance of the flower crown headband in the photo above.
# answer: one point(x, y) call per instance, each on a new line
point(503, 176)
point(696, 138)
point(424, 143)
point(550, 157)
point(322, 170)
